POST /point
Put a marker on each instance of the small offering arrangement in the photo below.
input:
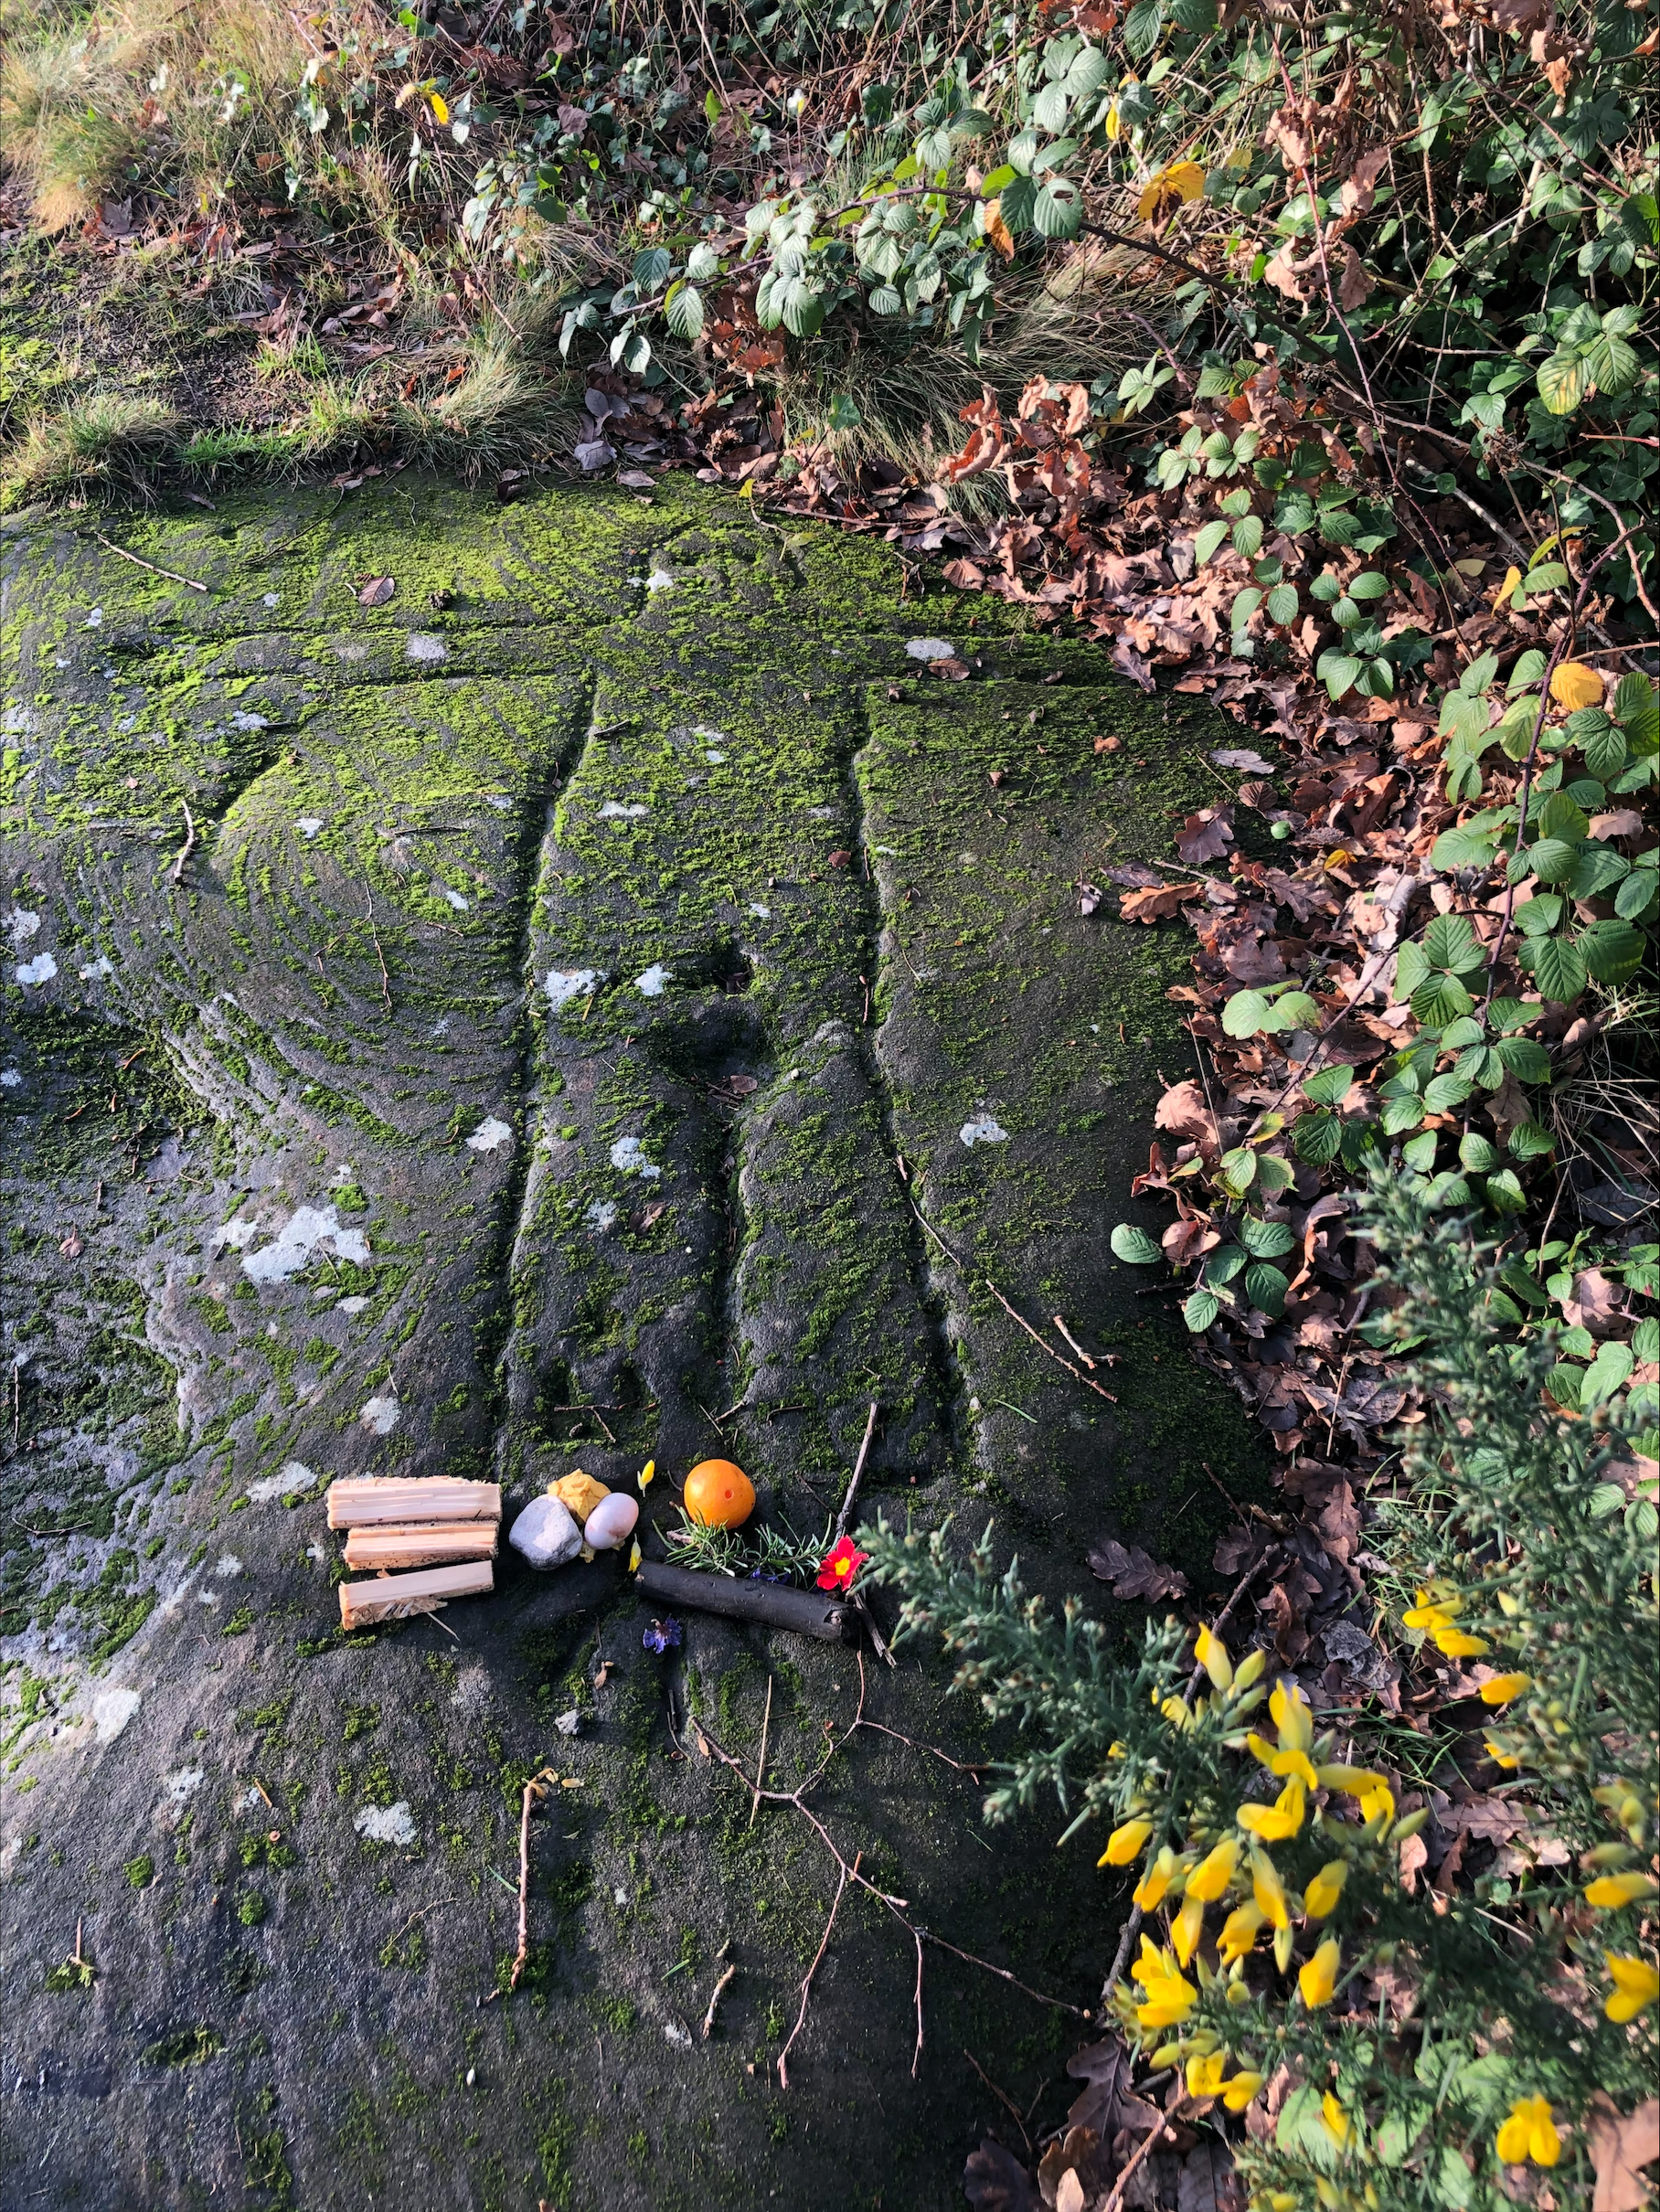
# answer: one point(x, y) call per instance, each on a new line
point(432, 1522)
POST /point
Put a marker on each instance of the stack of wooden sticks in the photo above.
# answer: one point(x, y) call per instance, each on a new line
point(447, 1528)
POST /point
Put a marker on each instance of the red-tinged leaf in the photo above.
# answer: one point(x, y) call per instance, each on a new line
point(1134, 1573)
point(995, 2181)
point(376, 592)
point(1159, 904)
point(1206, 835)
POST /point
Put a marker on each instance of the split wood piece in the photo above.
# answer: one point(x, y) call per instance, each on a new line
point(372, 1501)
point(808, 1612)
point(398, 1597)
point(419, 1544)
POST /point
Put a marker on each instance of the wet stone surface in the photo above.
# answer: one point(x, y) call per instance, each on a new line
point(622, 987)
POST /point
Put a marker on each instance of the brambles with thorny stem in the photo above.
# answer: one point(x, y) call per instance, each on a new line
point(1406, 2047)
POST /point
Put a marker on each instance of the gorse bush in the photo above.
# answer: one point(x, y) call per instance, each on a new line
point(1386, 2046)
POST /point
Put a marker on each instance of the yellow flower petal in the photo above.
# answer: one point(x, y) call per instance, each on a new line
point(1212, 1655)
point(1125, 1844)
point(1636, 1985)
point(441, 112)
point(1214, 1872)
point(1333, 2119)
point(1293, 1716)
point(1187, 1927)
point(1318, 1979)
point(1268, 1891)
point(1610, 1892)
point(1272, 1823)
point(1501, 1688)
point(1320, 1898)
point(648, 1474)
point(1239, 1933)
point(1237, 2093)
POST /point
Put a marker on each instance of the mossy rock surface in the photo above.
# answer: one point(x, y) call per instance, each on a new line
point(614, 972)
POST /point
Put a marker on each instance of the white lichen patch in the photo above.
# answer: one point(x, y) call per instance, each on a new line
point(654, 981)
point(491, 1135)
point(386, 1823)
point(228, 1566)
point(351, 1306)
point(294, 1475)
point(618, 810)
point(421, 647)
point(602, 1214)
point(21, 924)
point(628, 1157)
point(95, 969)
point(761, 913)
point(112, 1710)
point(183, 1783)
point(462, 906)
point(308, 824)
point(985, 1131)
point(563, 984)
point(308, 1229)
point(930, 649)
point(41, 970)
point(381, 1414)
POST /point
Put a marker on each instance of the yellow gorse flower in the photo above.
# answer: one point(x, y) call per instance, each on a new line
point(1126, 1843)
point(1169, 1997)
point(1366, 1783)
point(1636, 1985)
point(1281, 1762)
point(1204, 2075)
point(1610, 1892)
point(1293, 1716)
point(1272, 1823)
point(1501, 1688)
point(1529, 2133)
point(1187, 1927)
point(1268, 1891)
point(1149, 1892)
point(1212, 1655)
point(1237, 2093)
point(1239, 1933)
point(1333, 2119)
point(1437, 1606)
point(1317, 1979)
point(1321, 1896)
point(1214, 1872)
point(1454, 1643)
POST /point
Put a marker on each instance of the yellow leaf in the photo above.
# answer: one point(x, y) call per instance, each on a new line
point(997, 231)
point(1183, 181)
point(1574, 684)
point(440, 106)
point(1112, 126)
point(1512, 578)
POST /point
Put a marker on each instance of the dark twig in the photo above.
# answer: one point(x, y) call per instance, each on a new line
point(858, 1468)
point(801, 2017)
point(385, 981)
point(1166, 2128)
point(1048, 1350)
point(1008, 2103)
point(138, 561)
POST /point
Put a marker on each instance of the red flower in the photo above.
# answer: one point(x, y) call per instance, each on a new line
point(840, 1564)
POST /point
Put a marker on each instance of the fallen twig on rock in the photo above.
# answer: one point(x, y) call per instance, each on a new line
point(138, 561)
point(848, 1873)
point(533, 1790)
point(715, 1997)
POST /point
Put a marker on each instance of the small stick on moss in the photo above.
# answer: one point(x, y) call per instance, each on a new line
point(533, 1790)
point(715, 1997)
point(1007, 2102)
point(385, 981)
point(1048, 1350)
point(1068, 1337)
point(138, 561)
point(824, 1944)
point(843, 1517)
point(760, 1764)
point(189, 846)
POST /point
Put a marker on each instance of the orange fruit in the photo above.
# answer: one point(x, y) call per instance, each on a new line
point(718, 1494)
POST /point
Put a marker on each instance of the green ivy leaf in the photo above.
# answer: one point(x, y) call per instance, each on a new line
point(1133, 1245)
point(1199, 1311)
point(1245, 1012)
point(1400, 1114)
point(1525, 1057)
point(1282, 604)
point(1329, 1086)
point(1442, 1092)
point(1209, 539)
point(1531, 1141)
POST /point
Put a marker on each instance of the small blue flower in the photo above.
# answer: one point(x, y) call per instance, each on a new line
point(759, 1574)
point(661, 1635)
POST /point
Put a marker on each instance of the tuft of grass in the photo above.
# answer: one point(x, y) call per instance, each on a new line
point(502, 409)
point(103, 442)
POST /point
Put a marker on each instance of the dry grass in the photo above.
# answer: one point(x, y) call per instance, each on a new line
point(103, 442)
